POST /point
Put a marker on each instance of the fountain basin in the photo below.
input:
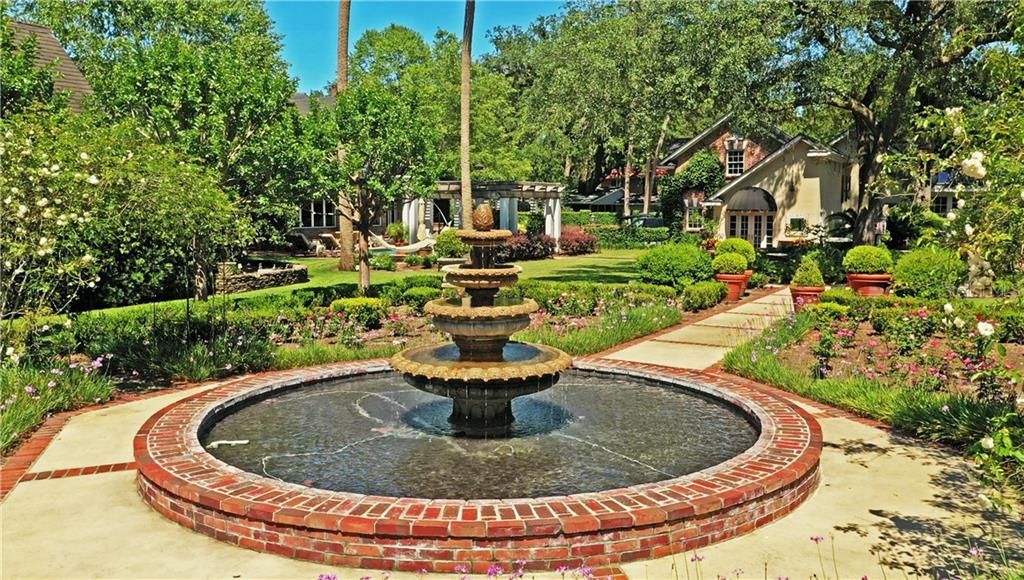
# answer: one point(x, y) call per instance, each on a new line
point(521, 362)
point(184, 482)
point(466, 276)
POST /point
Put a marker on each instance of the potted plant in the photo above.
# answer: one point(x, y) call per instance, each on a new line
point(743, 248)
point(397, 233)
point(730, 269)
point(867, 270)
point(807, 283)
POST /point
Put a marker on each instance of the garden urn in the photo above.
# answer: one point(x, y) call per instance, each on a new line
point(804, 295)
point(735, 283)
point(869, 284)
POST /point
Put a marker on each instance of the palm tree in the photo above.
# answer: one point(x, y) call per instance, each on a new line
point(467, 64)
point(346, 260)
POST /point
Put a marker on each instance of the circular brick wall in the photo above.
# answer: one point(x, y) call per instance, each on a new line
point(182, 481)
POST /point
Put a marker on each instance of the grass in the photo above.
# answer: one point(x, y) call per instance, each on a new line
point(318, 354)
point(611, 330)
point(29, 395)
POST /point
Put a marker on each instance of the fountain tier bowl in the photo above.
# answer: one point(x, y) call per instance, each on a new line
point(466, 276)
point(521, 362)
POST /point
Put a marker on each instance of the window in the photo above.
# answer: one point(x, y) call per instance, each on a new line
point(732, 225)
point(757, 227)
point(318, 214)
point(940, 204)
point(797, 224)
point(733, 162)
point(845, 193)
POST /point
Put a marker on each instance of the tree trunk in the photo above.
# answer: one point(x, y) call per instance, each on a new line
point(627, 177)
point(648, 185)
point(364, 257)
point(652, 166)
point(346, 260)
point(466, 91)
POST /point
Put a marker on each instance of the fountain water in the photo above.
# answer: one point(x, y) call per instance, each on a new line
point(481, 370)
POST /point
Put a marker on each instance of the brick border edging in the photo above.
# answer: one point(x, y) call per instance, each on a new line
point(181, 481)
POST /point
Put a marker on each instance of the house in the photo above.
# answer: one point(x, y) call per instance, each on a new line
point(67, 77)
point(777, 188)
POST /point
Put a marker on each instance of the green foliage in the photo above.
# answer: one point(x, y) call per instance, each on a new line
point(929, 273)
point(702, 295)
point(906, 329)
point(97, 215)
point(808, 274)
point(758, 280)
point(417, 297)
point(397, 232)
point(613, 328)
point(737, 246)
point(420, 281)
point(449, 245)
point(586, 217)
point(413, 260)
point(702, 173)
point(825, 313)
point(627, 237)
point(316, 353)
point(26, 85)
point(675, 265)
point(868, 260)
point(729, 264)
point(29, 395)
point(382, 262)
point(366, 312)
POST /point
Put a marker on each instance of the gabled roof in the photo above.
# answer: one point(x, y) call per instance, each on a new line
point(302, 101)
point(693, 143)
point(68, 77)
point(817, 150)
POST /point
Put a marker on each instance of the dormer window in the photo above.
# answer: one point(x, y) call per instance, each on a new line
point(733, 162)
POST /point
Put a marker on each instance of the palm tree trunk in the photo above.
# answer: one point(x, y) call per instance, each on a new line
point(346, 260)
point(464, 166)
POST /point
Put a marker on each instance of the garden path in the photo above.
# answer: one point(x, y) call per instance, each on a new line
point(75, 513)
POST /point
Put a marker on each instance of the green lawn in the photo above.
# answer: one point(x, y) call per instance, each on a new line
point(608, 266)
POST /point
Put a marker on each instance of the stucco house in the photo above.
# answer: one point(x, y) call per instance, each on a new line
point(777, 186)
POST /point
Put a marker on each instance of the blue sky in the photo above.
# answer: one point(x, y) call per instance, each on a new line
point(310, 28)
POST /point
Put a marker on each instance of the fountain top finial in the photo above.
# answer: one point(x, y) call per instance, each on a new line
point(483, 218)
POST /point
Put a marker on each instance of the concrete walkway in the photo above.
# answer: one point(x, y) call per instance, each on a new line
point(882, 500)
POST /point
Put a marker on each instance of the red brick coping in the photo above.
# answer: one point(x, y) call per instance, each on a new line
point(182, 481)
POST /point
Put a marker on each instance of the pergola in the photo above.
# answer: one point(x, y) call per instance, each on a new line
point(504, 196)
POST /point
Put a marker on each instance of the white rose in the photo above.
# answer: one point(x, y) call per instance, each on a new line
point(42, 202)
point(55, 168)
point(974, 165)
point(22, 210)
point(969, 230)
point(986, 329)
point(948, 308)
point(960, 203)
point(83, 156)
point(93, 180)
point(953, 111)
point(958, 322)
point(10, 351)
point(987, 443)
point(951, 216)
point(959, 132)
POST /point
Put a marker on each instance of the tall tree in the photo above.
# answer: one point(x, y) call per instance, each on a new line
point(346, 261)
point(464, 98)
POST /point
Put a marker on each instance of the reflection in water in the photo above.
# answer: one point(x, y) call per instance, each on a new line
point(375, 435)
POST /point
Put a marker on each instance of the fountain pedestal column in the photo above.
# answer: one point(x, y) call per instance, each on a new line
point(481, 371)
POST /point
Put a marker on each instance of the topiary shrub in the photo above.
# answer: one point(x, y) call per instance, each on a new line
point(808, 274)
point(575, 242)
point(868, 260)
point(382, 262)
point(701, 295)
point(929, 273)
point(676, 265)
point(729, 264)
point(366, 312)
point(448, 244)
point(418, 297)
point(737, 246)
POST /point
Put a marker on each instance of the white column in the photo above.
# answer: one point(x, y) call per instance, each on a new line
point(513, 215)
point(549, 217)
point(503, 214)
point(411, 219)
point(558, 218)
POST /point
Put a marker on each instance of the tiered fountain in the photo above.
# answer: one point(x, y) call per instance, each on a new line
point(481, 370)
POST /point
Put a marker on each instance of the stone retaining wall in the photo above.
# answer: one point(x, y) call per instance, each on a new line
point(230, 282)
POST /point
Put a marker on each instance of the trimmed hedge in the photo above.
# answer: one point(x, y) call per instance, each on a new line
point(575, 242)
point(586, 217)
point(677, 265)
point(929, 273)
point(418, 297)
point(703, 295)
point(629, 237)
point(366, 312)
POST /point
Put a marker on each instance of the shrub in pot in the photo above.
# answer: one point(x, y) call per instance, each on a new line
point(743, 248)
point(929, 273)
point(730, 269)
point(867, 270)
point(807, 284)
point(397, 233)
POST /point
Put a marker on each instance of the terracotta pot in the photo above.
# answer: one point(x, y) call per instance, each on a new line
point(735, 283)
point(870, 284)
point(804, 295)
point(746, 280)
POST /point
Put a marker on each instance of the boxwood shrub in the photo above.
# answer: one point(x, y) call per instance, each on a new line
point(868, 260)
point(808, 274)
point(729, 264)
point(929, 273)
point(702, 295)
point(418, 297)
point(677, 265)
point(737, 246)
point(366, 312)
